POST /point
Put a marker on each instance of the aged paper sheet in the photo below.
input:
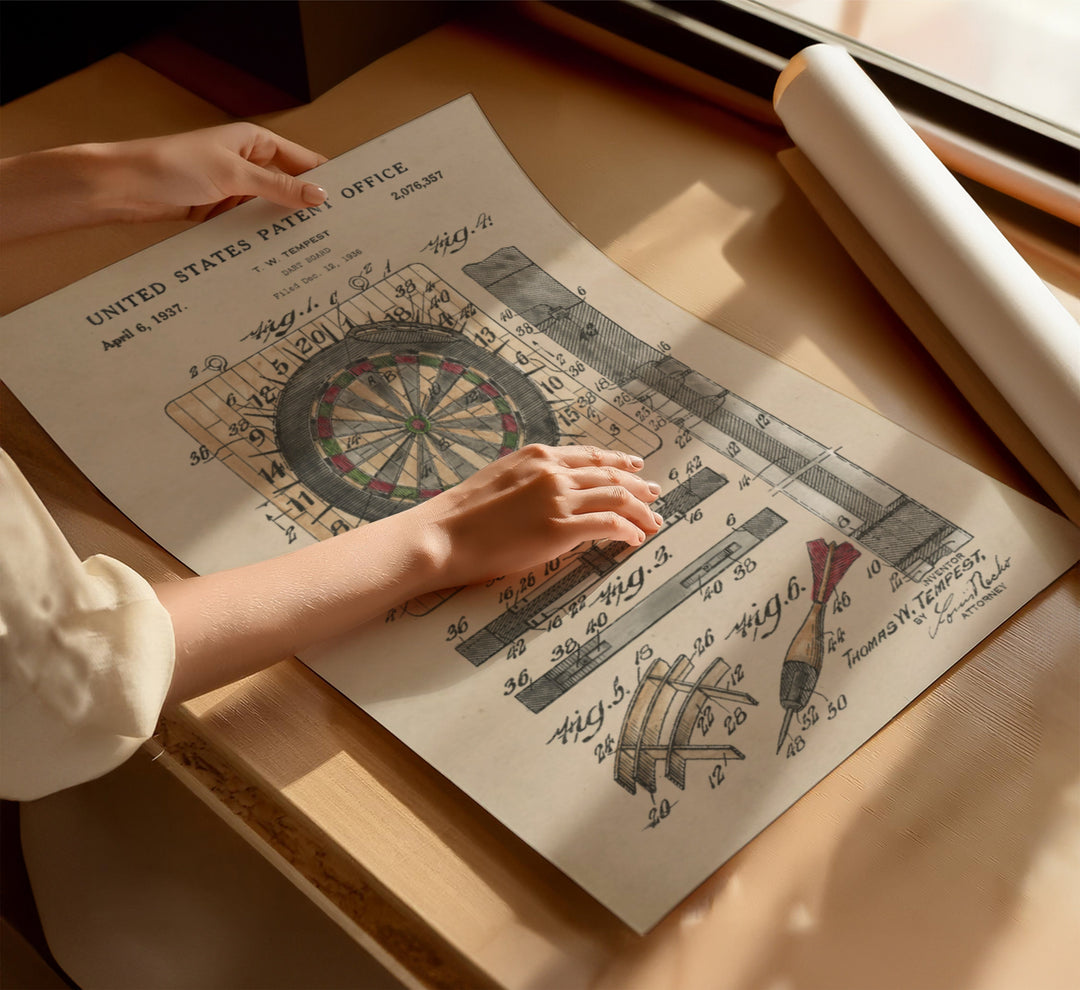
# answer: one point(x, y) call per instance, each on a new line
point(267, 380)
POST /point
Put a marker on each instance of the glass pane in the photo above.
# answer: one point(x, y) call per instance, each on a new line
point(1022, 53)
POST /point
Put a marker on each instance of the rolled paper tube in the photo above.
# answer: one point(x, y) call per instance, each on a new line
point(982, 290)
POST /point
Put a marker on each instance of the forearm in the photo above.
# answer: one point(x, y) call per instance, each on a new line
point(517, 512)
point(231, 624)
point(58, 189)
point(189, 176)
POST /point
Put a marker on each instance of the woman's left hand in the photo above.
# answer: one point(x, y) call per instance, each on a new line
point(200, 174)
point(189, 176)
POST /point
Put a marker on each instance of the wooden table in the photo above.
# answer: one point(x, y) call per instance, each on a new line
point(944, 853)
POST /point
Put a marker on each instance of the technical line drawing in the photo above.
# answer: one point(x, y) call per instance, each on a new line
point(903, 532)
point(583, 572)
point(395, 414)
point(652, 718)
point(361, 408)
point(802, 662)
point(604, 644)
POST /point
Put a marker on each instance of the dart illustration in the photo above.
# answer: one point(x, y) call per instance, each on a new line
point(802, 662)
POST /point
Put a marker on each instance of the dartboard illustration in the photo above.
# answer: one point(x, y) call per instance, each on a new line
point(398, 412)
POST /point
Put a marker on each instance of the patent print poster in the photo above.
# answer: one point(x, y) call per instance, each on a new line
point(267, 380)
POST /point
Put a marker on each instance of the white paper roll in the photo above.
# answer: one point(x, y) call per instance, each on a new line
point(991, 301)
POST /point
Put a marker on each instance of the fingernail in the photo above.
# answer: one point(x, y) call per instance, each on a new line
point(654, 488)
point(659, 518)
point(636, 461)
point(312, 194)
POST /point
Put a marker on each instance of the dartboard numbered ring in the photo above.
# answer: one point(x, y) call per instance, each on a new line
point(398, 412)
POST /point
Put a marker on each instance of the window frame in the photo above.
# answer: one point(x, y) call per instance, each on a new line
point(744, 44)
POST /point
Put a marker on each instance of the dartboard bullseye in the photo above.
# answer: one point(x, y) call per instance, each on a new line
point(397, 412)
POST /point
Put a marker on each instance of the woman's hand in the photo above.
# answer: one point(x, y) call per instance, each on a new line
point(535, 504)
point(202, 173)
point(520, 511)
point(189, 176)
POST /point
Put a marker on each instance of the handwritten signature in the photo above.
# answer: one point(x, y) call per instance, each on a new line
point(982, 587)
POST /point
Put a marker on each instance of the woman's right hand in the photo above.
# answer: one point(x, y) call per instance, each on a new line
point(534, 505)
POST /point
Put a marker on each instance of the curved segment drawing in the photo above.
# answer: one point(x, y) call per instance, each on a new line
point(649, 749)
point(705, 690)
point(649, 718)
point(633, 727)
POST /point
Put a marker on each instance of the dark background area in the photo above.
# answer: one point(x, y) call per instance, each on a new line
point(285, 51)
point(41, 42)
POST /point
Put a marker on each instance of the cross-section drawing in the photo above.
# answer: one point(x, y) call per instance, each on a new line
point(602, 646)
point(901, 531)
point(581, 575)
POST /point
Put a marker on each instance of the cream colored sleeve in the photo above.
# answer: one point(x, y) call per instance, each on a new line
point(86, 653)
